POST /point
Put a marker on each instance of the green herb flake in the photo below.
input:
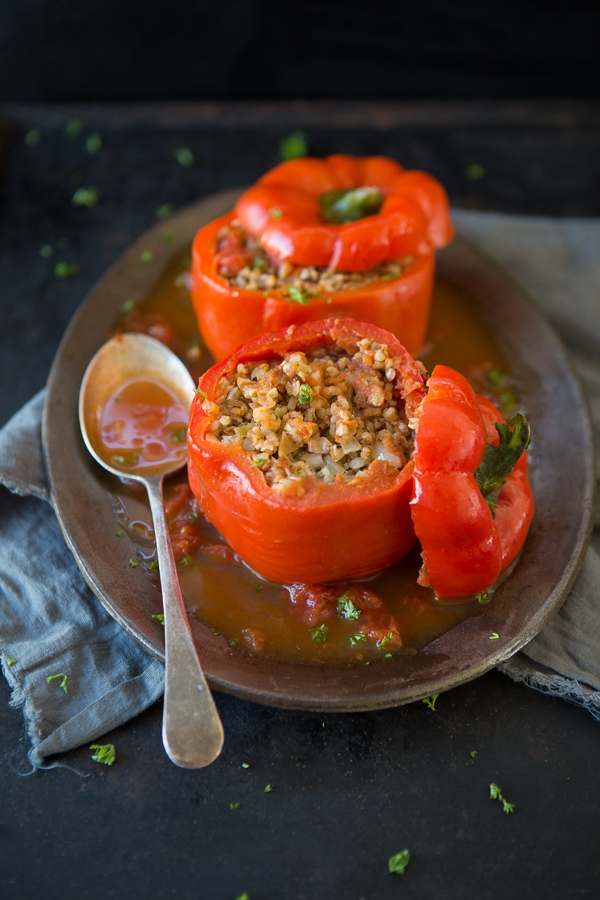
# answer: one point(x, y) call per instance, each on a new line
point(105, 753)
point(389, 276)
point(384, 641)
point(160, 617)
point(355, 639)
point(319, 634)
point(11, 661)
point(46, 251)
point(146, 257)
point(153, 565)
point(132, 564)
point(257, 588)
point(164, 211)
point(483, 598)
point(63, 680)
point(397, 864)
point(275, 212)
point(294, 146)
point(388, 656)
point(346, 608)
point(181, 279)
point(258, 262)
point(243, 896)
point(474, 172)
point(496, 794)
point(179, 434)
point(201, 393)
point(184, 156)
point(494, 636)
point(126, 460)
point(127, 307)
point(93, 143)
point(73, 127)
point(268, 788)
point(473, 754)
point(342, 206)
point(297, 295)
point(85, 196)
point(33, 137)
point(118, 533)
point(234, 805)
point(187, 560)
point(234, 642)
point(64, 269)
point(499, 461)
point(305, 394)
point(169, 237)
point(495, 376)
point(245, 765)
point(259, 462)
point(430, 701)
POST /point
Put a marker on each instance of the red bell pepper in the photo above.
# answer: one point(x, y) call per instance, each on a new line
point(466, 539)
point(342, 530)
point(344, 214)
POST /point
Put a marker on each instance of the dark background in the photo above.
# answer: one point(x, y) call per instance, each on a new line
point(113, 50)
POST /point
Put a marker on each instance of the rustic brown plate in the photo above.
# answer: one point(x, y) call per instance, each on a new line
point(553, 553)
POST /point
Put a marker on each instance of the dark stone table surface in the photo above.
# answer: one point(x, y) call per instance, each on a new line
point(349, 790)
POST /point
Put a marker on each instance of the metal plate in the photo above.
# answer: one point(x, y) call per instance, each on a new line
point(562, 475)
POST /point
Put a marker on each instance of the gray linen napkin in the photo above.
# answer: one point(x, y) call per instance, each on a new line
point(51, 624)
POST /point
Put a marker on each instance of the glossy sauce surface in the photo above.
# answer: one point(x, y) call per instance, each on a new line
point(142, 427)
point(274, 620)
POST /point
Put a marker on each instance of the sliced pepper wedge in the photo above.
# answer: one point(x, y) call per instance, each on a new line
point(227, 315)
point(330, 532)
point(466, 542)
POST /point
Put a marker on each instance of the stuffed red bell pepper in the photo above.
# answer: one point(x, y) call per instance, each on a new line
point(472, 503)
point(299, 450)
point(315, 238)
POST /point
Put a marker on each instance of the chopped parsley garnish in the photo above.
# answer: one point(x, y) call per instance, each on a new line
point(397, 864)
point(259, 462)
point(275, 213)
point(234, 642)
point(132, 564)
point(473, 754)
point(11, 661)
point(63, 680)
point(495, 376)
point(483, 597)
point(234, 805)
point(201, 393)
point(496, 794)
point(258, 262)
point(389, 276)
point(179, 434)
point(46, 251)
point(257, 588)
point(268, 788)
point(386, 639)
point(127, 307)
point(184, 157)
point(93, 143)
point(305, 394)
point(475, 172)
point(245, 765)
point(164, 211)
point(297, 295)
point(494, 636)
point(105, 753)
point(85, 196)
point(346, 608)
point(118, 533)
point(430, 701)
point(64, 269)
point(356, 639)
point(187, 560)
point(319, 633)
point(153, 565)
point(498, 462)
point(181, 279)
point(73, 127)
point(146, 257)
point(243, 896)
point(169, 237)
point(129, 460)
point(294, 146)
point(160, 617)
point(33, 137)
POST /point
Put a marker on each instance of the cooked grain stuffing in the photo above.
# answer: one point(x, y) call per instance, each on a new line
point(330, 414)
point(244, 263)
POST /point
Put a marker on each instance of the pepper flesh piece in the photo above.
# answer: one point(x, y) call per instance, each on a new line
point(227, 316)
point(282, 210)
point(464, 545)
point(332, 532)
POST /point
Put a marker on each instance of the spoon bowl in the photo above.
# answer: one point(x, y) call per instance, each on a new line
point(134, 403)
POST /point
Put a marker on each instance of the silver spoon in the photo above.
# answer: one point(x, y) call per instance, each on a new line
point(192, 731)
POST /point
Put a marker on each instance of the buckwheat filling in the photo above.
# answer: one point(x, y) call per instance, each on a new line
point(330, 414)
point(244, 263)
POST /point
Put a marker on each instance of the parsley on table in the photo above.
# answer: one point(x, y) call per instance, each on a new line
point(268, 788)
point(63, 680)
point(184, 157)
point(475, 172)
point(105, 753)
point(85, 196)
point(73, 127)
point(164, 211)
point(234, 805)
point(64, 269)
point(294, 146)
point(159, 617)
point(398, 863)
point(496, 794)
point(33, 137)
point(430, 701)
point(93, 143)
point(494, 636)
point(473, 754)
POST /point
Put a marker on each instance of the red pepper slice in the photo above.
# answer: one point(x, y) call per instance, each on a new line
point(227, 316)
point(283, 211)
point(464, 545)
point(333, 531)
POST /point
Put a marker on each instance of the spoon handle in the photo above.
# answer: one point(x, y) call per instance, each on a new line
point(192, 731)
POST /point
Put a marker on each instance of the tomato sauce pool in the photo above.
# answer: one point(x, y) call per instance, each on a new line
point(318, 626)
point(142, 428)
